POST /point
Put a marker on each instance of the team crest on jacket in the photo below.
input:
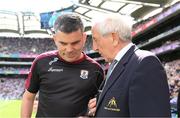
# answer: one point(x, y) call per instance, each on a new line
point(84, 74)
point(112, 105)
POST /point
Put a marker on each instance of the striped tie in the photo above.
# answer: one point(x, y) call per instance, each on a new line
point(111, 67)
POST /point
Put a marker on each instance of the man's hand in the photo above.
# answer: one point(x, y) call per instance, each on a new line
point(92, 107)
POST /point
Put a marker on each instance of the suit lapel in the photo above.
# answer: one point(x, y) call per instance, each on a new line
point(117, 72)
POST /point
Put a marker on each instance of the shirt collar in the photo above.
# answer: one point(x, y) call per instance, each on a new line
point(123, 51)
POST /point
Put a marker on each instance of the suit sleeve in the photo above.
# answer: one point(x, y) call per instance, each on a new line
point(149, 92)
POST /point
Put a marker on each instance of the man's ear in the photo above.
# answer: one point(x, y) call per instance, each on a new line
point(115, 39)
point(54, 39)
point(84, 37)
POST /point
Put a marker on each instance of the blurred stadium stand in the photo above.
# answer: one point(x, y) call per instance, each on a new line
point(22, 39)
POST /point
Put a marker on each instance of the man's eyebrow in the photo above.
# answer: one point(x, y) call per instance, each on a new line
point(76, 42)
point(62, 42)
point(70, 42)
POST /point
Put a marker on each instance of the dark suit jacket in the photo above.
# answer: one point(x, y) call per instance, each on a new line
point(137, 87)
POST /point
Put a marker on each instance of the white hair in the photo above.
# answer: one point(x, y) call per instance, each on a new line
point(114, 23)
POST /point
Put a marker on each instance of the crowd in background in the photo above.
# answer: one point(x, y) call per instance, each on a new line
point(9, 45)
point(167, 46)
point(12, 88)
point(173, 75)
point(14, 45)
point(13, 69)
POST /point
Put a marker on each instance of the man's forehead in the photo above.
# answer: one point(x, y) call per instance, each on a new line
point(69, 41)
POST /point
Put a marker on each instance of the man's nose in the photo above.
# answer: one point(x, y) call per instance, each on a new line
point(94, 46)
point(69, 48)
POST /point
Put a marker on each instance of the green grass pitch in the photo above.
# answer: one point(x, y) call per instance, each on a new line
point(10, 109)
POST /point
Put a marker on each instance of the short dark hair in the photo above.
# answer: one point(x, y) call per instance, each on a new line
point(68, 23)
